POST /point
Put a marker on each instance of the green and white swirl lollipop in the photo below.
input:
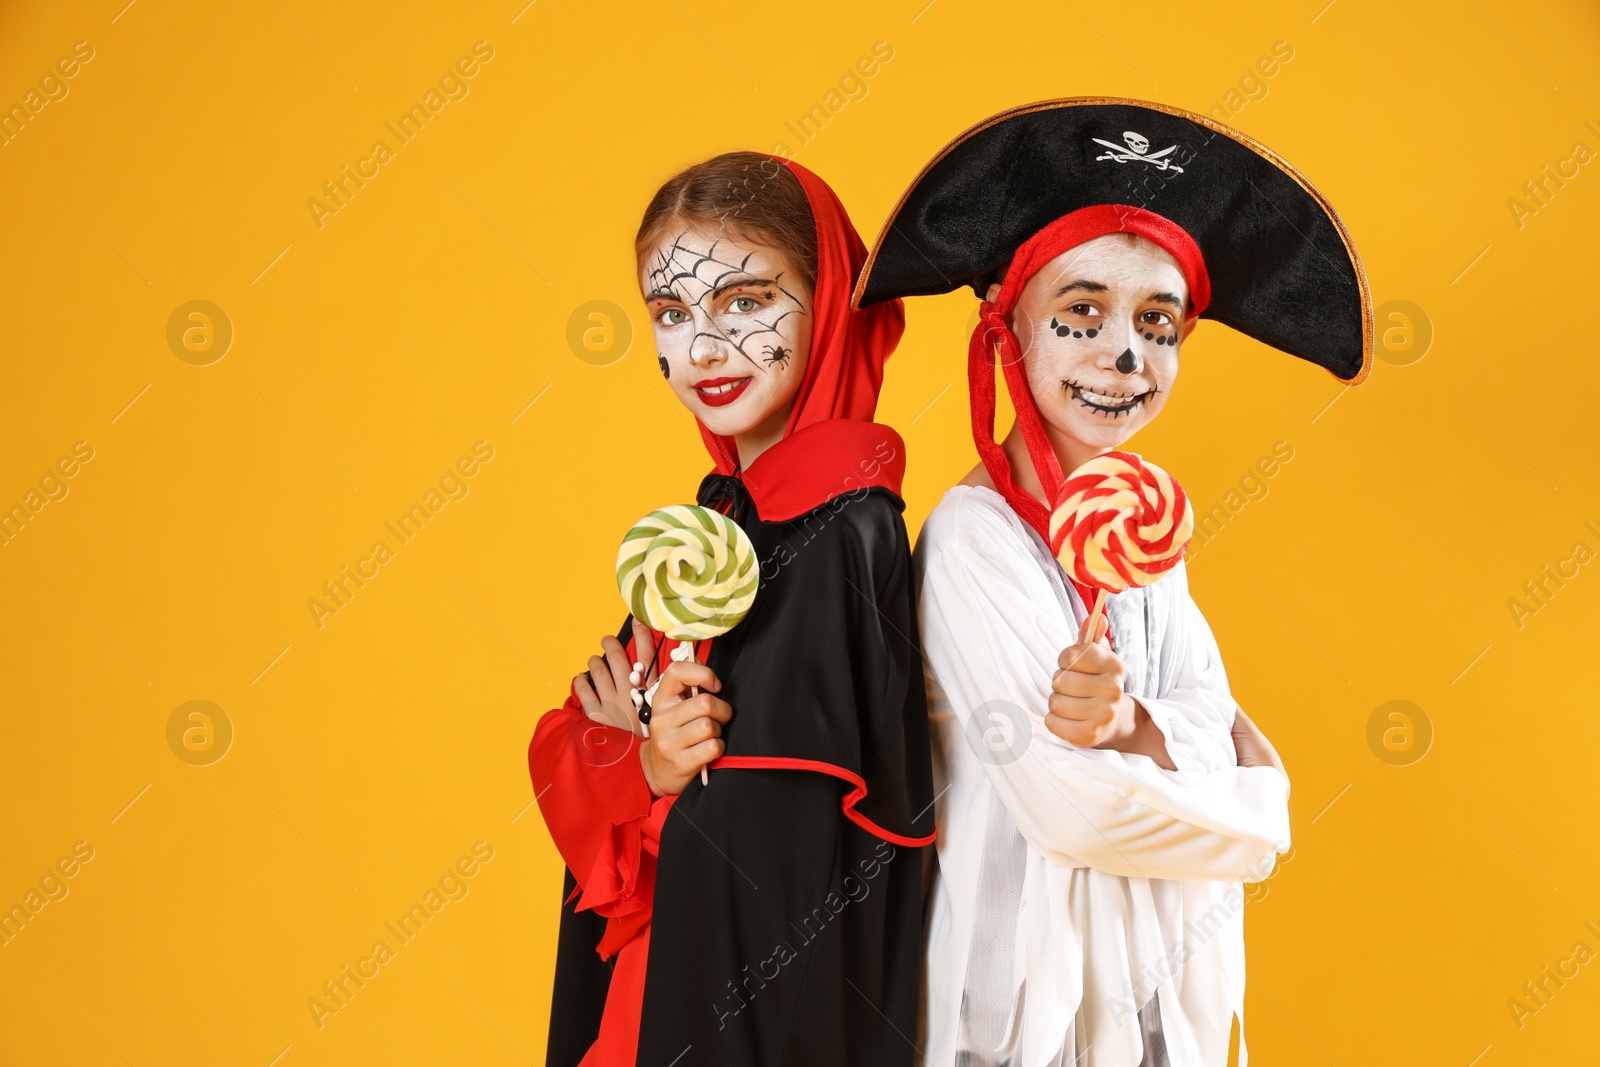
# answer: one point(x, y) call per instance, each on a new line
point(687, 571)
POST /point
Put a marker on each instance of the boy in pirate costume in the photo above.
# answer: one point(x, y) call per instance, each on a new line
point(1100, 804)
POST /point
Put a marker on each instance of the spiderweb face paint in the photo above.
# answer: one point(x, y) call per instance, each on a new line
point(732, 322)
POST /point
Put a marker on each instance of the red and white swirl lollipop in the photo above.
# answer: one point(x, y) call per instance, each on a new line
point(1119, 522)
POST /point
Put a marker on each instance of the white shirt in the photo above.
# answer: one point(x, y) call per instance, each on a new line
point(1088, 910)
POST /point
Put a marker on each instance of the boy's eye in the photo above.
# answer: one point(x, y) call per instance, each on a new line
point(744, 304)
point(1156, 318)
point(1084, 309)
point(673, 316)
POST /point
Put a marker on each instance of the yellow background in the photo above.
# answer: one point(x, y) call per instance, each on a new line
point(371, 753)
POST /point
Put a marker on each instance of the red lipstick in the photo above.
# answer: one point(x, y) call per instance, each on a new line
point(721, 398)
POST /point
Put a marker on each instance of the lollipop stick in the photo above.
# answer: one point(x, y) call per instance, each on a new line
point(686, 651)
point(705, 776)
point(1090, 630)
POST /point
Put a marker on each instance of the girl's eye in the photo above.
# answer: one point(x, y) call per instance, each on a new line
point(744, 304)
point(1084, 309)
point(674, 316)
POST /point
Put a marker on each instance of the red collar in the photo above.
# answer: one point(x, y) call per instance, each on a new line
point(821, 461)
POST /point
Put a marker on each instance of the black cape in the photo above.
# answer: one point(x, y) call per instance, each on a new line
point(784, 931)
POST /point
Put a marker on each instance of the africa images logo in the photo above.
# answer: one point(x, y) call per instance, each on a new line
point(1138, 151)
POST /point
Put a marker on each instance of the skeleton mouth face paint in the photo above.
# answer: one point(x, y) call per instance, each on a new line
point(732, 321)
point(1115, 405)
point(1099, 328)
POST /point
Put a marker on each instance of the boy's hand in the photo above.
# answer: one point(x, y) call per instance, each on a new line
point(1087, 705)
point(1252, 746)
point(685, 731)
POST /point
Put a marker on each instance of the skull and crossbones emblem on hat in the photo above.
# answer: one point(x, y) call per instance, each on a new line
point(1138, 150)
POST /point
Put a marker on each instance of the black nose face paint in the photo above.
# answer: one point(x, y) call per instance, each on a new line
point(1127, 363)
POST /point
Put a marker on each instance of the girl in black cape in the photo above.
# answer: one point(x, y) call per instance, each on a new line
point(774, 915)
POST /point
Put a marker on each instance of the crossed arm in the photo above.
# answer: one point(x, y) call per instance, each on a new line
point(1152, 787)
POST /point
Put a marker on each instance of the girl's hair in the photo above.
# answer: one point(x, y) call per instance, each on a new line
point(753, 195)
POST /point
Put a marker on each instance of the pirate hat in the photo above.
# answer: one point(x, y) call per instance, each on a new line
point(1263, 250)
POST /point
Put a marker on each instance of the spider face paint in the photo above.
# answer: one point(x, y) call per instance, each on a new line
point(732, 321)
point(1099, 328)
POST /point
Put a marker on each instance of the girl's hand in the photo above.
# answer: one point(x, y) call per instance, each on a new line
point(1252, 745)
point(685, 731)
point(607, 700)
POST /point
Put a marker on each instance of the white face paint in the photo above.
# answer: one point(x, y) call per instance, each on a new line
point(732, 321)
point(1099, 328)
